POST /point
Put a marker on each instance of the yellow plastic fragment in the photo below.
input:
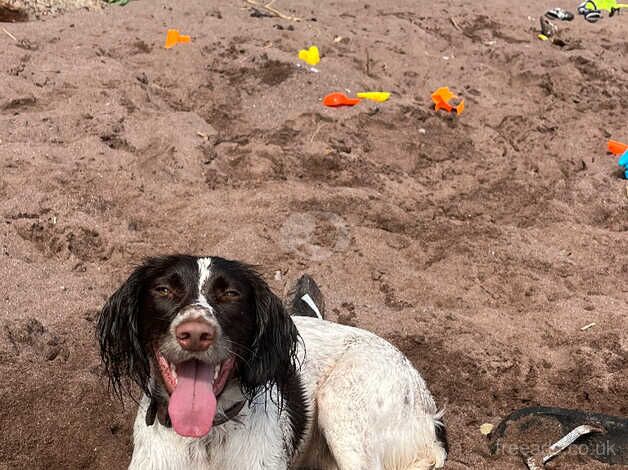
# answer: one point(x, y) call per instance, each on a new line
point(379, 96)
point(310, 56)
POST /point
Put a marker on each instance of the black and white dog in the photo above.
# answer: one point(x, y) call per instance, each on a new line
point(232, 382)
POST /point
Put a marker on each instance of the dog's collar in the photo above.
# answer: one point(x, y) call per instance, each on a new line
point(229, 413)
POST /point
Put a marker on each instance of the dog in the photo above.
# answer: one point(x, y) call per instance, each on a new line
point(231, 381)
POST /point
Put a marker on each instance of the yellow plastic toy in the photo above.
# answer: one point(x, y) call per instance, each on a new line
point(379, 96)
point(173, 38)
point(310, 56)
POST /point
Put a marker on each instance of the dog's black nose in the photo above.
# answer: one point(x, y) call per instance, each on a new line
point(195, 335)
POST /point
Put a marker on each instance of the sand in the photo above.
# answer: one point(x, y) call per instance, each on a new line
point(479, 244)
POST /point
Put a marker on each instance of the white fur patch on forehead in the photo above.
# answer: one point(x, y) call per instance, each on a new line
point(204, 270)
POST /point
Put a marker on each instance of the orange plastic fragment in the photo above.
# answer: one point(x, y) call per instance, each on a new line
point(173, 38)
point(339, 99)
point(441, 98)
point(616, 148)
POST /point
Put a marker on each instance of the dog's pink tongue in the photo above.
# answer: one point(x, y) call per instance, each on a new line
point(192, 405)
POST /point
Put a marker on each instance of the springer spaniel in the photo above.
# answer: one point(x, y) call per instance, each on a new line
point(230, 381)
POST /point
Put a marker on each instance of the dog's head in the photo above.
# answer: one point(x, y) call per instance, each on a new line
point(187, 326)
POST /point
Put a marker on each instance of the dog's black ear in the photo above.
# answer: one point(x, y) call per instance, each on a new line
point(119, 335)
point(272, 359)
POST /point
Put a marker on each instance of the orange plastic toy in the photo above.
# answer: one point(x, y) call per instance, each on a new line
point(334, 100)
point(173, 38)
point(441, 98)
point(616, 148)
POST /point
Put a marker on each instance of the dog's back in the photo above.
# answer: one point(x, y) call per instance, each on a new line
point(373, 410)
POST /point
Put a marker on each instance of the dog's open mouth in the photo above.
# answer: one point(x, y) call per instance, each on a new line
point(193, 386)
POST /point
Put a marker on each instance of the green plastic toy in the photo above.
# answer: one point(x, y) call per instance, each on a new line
point(592, 9)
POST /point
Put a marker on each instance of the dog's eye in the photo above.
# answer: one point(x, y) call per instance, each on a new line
point(231, 294)
point(162, 291)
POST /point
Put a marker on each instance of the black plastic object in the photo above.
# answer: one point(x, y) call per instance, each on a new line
point(614, 441)
point(593, 16)
point(559, 14)
point(590, 11)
